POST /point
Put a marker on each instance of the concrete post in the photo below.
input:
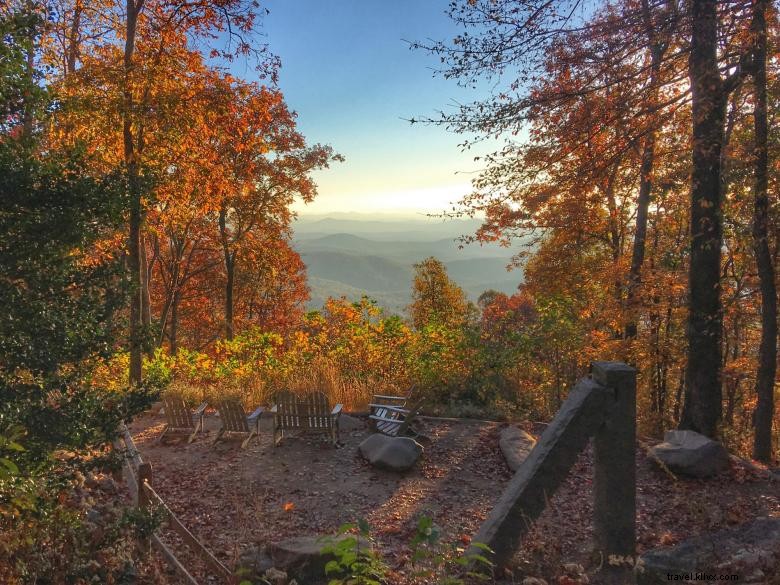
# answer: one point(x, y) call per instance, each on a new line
point(614, 484)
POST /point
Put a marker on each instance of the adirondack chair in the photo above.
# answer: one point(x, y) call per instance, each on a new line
point(181, 420)
point(390, 415)
point(235, 420)
point(308, 413)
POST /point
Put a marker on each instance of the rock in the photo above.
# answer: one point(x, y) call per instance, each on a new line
point(749, 550)
point(90, 480)
point(276, 577)
point(393, 453)
point(515, 444)
point(107, 485)
point(94, 516)
point(350, 423)
point(302, 557)
point(689, 453)
point(254, 563)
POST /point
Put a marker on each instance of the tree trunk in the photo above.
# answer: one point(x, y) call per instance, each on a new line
point(230, 270)
point(73, 49)
point(230, 264)
point(767, 353)
point(640, 234)
point(146, 275)
point(134, 192)
point(174, 330)
point(703, 401)
point(657, 50)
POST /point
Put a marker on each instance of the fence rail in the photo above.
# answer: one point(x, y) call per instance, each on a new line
point(602, 407)
point(138, 477)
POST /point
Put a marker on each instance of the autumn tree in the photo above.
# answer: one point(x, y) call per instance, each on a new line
point(214, 162)
point(265, 165)
point(767, 352)
point(273, 286)
point(709, 97)
point(436, 298)
point(592, 93)
point(140, 45)
point(161, 23)
point(61, 302)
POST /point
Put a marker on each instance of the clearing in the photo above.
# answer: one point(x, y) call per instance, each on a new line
point(233, 498)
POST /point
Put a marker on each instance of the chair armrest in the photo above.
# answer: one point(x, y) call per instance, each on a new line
point(258, 411)
point(275, 408)
point(391, 397)
point(202, 408)
point(393, 408)
point(336, 410)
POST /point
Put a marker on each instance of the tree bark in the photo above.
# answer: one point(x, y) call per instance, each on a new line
point(767, 353)
point(146, 276)
point(230, 265)
point(657, 50)
point(703, 393)
point(174, 330)
point(134, 192)
point(73, 49)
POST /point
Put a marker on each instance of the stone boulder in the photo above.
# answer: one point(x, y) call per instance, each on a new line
point(349, 423)
point(750, 550)
point(692, 454)
point(391, 453)
point(515, 445)
point(300, 558)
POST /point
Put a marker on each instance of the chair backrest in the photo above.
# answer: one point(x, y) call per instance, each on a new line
point(178, 414)
point(233, 416)
point(399, 401)
point(286, 415)
point(307, 411)
point(378, 401)
point(317, 409)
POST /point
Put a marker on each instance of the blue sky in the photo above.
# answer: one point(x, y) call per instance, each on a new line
point(353, 80)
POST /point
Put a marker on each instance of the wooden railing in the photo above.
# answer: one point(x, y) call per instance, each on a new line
point(138, 477)
point(602, 407)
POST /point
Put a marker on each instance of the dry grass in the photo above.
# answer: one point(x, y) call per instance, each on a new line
point(321, 376)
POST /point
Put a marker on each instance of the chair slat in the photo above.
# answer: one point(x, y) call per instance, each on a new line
point(235, 420)
point(310, 412)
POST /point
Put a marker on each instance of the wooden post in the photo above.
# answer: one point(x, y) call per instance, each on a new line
point(543, 471)
point(144, 476)
point(614, 483)
point(602, 406)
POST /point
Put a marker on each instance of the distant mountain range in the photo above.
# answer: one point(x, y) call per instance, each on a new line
point(374, 255)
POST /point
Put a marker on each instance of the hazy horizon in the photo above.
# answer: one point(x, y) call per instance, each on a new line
point(401, 214)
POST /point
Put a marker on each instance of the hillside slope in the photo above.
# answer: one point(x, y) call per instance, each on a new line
point(347, 257)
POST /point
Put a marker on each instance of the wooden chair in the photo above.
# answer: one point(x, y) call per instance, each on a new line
point(308, 413)
point(390, 416)
point(236, 421)
point(181, 420)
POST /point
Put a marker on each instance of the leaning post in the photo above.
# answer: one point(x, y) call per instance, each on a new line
point(144, 476)
point(614, 484)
